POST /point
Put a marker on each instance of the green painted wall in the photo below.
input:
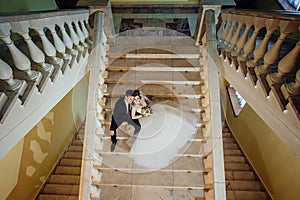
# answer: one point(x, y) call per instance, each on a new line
point(275, 164)
point(26, 5)
point(154, 2)
point(35, 156)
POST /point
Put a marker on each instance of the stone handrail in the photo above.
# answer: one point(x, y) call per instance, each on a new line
point(42, 56)
point(94, 129)
point(260, 57)
point(212, 131)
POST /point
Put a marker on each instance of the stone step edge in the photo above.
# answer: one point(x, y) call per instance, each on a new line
point(154, 186)
point(129, 170)
point(154, 55)
point(185, 82)
point(187, 96)
point(153, 69)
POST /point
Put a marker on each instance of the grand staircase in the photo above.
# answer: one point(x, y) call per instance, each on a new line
point(164, 76)
point(65, 178)
point(241, 180)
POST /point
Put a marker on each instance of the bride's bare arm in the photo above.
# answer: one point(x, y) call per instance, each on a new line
point(133, 113)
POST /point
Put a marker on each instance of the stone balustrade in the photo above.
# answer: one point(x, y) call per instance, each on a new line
point(42, 56)
point(260, 58)
point(262, 45)
point(94, 131)
point(214, 177)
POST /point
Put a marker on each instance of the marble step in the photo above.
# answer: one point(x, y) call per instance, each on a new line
point(234, 159)
point(233, 152)
point(108, 114)
point(70, 162)
point(75, 148)
point(154, 77)
point(57, 197)
point(80, 136)
point(174, 63)
point(68, 170)
point(154, 90)
point(236, 167)
point(243, 185)
point(153, 68)
point(229, 140)
point(240, 175)
point(61, 189)
point(230, 146)
point(149, 193)
point(65, 179)
point(190, 103)
point(77, 142)
point(246, 195)
point(73, 155)
point(154, 179)
point(113, 55)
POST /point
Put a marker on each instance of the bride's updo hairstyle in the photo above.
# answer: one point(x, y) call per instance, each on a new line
point(136, 93)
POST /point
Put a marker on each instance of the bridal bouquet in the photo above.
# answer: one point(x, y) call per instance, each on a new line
point(146, 111)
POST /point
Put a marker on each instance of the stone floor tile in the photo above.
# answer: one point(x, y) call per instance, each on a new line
point(115, 193)
point(161, 178)
point(148, 193)
point(114, 177)
point(117, 161)
point(187, 163)
point(188, 179)
point(187, 194)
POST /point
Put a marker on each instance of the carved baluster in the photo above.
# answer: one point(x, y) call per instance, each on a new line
point(227, 34)
point(286, 27)
point(80, 34)
point(3, 101)
point(11, 90)
point(291, 93)
point(294, 88)
point(22, 28)
point(259, 23)
point(240, 20)
point(13, 85)
point(85, 32)
point(21, 62)
point(90, 30)
point(104, 49)
point(48, 47)
point(230, 32)
point(74, 37)
point(67, 40)
point(242, 40)
point(286, 65)
point(271, 26)
point(221, 31)
point(60, 47)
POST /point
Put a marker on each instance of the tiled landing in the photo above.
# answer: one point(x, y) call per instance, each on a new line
point(156, 19)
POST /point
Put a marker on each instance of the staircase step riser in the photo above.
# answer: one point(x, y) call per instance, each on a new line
point(61, 189)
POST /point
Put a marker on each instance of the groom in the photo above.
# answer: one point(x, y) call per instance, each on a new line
point(122, 113)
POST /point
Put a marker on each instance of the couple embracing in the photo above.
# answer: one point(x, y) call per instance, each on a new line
point(158, 137)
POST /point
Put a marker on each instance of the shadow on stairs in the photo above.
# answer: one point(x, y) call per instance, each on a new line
point(241, 180)
point(64, 181)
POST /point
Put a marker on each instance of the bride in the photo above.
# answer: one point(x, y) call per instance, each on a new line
point(162, 134)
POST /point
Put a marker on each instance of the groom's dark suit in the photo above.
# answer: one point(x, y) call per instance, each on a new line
point(122, 113)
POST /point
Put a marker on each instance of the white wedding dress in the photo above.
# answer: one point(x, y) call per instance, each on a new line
point(162, 135)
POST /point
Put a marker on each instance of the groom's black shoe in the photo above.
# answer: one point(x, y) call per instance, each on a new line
point(112, 147)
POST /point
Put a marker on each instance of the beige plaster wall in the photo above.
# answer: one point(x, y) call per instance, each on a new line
point(154, 2)
point(28, 165)
point(275, 164)
point(9, 170)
